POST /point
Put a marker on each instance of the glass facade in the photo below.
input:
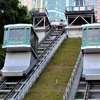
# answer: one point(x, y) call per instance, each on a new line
point(56, 9)
point(96, 5)
point(79, 3)
point(71, 3)
point(39, 3)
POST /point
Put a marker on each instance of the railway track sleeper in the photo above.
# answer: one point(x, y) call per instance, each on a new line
point(45, 56)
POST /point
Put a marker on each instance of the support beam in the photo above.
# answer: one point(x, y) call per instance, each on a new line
point(91, 18)
point(44, 22)
point(39, 22)
point(67, 21)
point(74, 20)
point(84, 19)
point(33, 21)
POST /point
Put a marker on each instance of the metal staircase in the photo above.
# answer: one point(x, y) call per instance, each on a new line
point(16, 88)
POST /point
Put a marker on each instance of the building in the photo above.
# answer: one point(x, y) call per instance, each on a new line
point(39, 4)
point(96, 4)
point(56, 10)
point(75, 3)
point(28, 3)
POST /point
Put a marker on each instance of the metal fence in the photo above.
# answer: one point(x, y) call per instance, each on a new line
point(79, 8)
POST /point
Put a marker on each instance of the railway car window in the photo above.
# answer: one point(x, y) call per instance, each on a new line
point(16, 34)
point(27, 33)
point(6, 34)
point(84, 35)
point(96, 34)
point(90, 34)
point(11, 34)
point(21, 33)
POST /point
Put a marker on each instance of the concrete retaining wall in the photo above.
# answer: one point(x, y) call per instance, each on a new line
point(74, 32)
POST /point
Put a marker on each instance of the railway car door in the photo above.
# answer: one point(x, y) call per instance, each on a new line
point(34, 40)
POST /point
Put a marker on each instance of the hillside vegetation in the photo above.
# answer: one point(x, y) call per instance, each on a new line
point(11, 12)
point(52, 82)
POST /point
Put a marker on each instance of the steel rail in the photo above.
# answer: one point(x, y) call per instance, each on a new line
point(14, 91)
point(10, 93)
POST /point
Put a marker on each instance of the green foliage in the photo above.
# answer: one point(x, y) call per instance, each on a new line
point(79, 95)
point(52, 82)
point(35, 10)
point(2, 56)
point(11, 12)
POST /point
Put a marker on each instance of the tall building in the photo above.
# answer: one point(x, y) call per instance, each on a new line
point(28, 3)
point(56, 10)
point(75, 3)
point(96, 4)
point(39, 4)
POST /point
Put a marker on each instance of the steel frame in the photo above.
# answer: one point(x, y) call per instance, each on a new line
point(77, 16)
point(43, 19)
point(20, 93)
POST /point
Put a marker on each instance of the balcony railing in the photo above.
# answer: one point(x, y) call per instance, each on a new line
point(79, 8)
point(35, 10)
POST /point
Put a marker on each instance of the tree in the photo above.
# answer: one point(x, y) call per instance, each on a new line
point(12, 12)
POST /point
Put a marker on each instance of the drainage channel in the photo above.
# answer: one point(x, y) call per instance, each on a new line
point(16, 88)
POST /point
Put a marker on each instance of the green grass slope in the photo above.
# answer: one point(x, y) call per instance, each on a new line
point(52, 82)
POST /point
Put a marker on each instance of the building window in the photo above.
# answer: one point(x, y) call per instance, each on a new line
point(95, 1)
point(79, 2)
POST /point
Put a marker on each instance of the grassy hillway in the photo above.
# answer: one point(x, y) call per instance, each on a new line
point(52, 82)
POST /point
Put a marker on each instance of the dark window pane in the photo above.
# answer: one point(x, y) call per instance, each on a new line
point(96, 34)
point(81, 2)
point(16, 34)
point(84, 35)
point(77, 3)
point(90, 33)
point(27, 33)
point(6, 34)
point(21, 34)
point(11, 34)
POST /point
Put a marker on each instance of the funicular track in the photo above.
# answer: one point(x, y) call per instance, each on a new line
point(80, 89)
point(15, 88)
point(88, 90)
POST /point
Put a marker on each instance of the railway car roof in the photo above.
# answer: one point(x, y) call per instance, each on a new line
point(17, 25)
point(94, 24)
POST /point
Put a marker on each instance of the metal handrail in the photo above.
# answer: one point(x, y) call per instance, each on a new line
point(79, 8)
point(63, 30)
point(35, 74)
point(45, 37)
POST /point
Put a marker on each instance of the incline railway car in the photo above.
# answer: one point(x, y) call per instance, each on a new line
point(91, 51)
point(21, 44)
